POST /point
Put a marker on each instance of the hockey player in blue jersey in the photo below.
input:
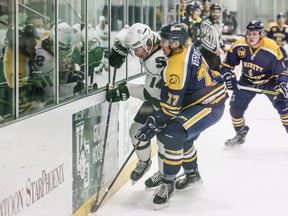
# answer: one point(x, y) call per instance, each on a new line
point(278, 31)
point(263, 68)
point(192, 99)
point(192, 20)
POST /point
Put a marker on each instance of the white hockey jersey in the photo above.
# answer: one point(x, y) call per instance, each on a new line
point(153, 67)
point(44, 69)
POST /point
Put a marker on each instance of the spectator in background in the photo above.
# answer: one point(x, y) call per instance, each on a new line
point(102, 31)
point(206, 9)
point(211, 38)
point(38, 24)
point(229, 22)
point(29, 94)
point(278, 31)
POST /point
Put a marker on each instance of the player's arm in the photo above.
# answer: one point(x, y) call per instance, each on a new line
point(281, 71)
point(227, 67)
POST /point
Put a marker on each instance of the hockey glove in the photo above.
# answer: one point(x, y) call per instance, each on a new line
point(149, 130)
point(117, 54)
point(282, 88)
point(230, 80)
point(281, 100)
point(119, 93)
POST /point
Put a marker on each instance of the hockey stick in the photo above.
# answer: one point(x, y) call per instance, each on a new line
point(96, 205)
point(268, 92)
point(33, 11)
point(73, 9)
point(105, 139)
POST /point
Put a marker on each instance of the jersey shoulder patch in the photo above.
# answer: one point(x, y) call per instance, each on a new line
point(237, 43)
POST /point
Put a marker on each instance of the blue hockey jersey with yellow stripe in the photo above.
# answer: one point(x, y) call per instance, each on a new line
point(277, 33)
point(188, 81)
point(260, 65)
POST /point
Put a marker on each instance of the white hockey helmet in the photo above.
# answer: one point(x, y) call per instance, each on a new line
point(79, 34)
point(139, 35)
point(65, 35)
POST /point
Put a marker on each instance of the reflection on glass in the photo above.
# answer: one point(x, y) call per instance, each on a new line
point(134, 67)
point(134, 12)
point(71, 54)
point(148, 11)
point(6, 64)
point(30, 30)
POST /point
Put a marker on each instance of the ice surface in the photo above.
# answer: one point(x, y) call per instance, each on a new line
point(250, 181)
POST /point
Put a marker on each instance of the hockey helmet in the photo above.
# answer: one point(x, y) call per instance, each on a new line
point(79, 33)
point(174, 32)
point(65, 35)
point(193, 6)
point(255, 25)
point(215, 7)
point(281, 15)
point(139, 35)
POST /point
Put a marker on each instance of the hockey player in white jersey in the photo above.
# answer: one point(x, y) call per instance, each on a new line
point(139, 40)
point(44, 65)
point(44, 61)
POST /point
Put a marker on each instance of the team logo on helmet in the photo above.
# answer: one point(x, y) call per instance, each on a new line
point(241, 52)
point(175, 28)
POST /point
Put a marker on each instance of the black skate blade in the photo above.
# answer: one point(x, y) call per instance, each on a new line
point(94, 208)
point(196, 186)
point(151, 188)
point(161, 206)
point(233, 147)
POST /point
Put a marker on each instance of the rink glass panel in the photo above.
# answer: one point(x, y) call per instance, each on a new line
point(7, 90)
point(26, 90)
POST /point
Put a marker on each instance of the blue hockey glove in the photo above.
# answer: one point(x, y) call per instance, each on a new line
point(230, 80)
point(117, 54)
point(281, 100)
point(149, 130)
point(282, 88)
point(119, 93)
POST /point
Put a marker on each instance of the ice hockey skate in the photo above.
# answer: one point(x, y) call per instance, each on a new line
point(163, 194)
point(154, 180)
point(191, 180)
point(141, 168)
point(238, 139)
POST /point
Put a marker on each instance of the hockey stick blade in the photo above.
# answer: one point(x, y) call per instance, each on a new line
point(261, 91)
point(97, 204)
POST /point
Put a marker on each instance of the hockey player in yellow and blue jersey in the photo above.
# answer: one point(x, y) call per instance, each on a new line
point(192, 20)
point(263, 68)
point(192, 99)
point(278, 31)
